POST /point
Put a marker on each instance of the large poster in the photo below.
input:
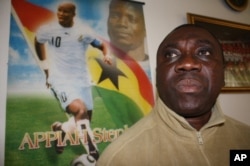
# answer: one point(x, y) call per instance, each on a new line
point(58, 68)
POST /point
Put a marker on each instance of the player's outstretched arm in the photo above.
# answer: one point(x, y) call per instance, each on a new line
point(104, 48)
point(107, 57)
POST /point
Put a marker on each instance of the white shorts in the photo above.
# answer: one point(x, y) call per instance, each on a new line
point(66, 93)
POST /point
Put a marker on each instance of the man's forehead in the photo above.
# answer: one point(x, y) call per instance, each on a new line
point(187, 33)
point(191, 32)
point(175, 43)
point(125, 4)
point(67, 6)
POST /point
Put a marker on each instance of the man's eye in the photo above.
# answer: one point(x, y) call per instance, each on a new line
point(204, 52)
point(132, 19)
point(170, 54)
point(114, 15)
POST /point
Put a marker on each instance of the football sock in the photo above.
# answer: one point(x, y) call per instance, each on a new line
point(70, 125)
point(87, 137)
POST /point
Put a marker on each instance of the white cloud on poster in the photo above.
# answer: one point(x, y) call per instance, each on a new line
point(17, 58)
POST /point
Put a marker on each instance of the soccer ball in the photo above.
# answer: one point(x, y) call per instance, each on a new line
point(83, 160)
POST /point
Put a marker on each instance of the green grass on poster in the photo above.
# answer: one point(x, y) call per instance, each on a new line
point(31, 114)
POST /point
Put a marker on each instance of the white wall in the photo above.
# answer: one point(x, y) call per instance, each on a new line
point(161, 17)
point(4, 40)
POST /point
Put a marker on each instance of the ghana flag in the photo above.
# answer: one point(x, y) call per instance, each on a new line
point(122, 92)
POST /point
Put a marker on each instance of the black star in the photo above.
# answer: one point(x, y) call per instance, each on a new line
point(109, 72)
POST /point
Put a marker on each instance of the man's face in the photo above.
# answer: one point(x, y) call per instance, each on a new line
point(125, 25)
point(65, 14)
point(190, 71)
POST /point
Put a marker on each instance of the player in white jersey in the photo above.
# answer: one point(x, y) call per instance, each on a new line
point(66, 70)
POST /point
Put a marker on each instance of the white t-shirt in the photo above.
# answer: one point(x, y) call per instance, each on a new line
point(66, 53)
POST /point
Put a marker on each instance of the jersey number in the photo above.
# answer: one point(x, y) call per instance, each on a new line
point(56, 41)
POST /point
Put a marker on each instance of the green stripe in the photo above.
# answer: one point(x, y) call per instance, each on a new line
point(114, 109)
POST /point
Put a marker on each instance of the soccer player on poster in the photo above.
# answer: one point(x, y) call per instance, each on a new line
point(66, 71)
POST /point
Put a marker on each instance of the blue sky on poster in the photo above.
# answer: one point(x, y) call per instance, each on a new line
point(23, 73)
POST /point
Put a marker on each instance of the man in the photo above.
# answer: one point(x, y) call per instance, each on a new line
point(186, 126)
point(126, 28)
point(66, 70)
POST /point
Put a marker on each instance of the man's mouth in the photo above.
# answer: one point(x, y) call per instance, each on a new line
point(60, 18)
point(189, 85)
point(122, 34)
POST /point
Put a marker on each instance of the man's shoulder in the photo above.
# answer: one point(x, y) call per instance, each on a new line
point(134, 136)
point(237, 123)
point(48, 27)
point(83, 28)
point(238, 128)
point(138, 130)
point(81, 25)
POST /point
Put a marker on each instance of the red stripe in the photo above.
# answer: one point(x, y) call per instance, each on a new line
point(145, 86)
point(30, 15)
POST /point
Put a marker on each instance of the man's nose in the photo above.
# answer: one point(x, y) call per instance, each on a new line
point(123, 21)
point(61, 13)
point(188, 63)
